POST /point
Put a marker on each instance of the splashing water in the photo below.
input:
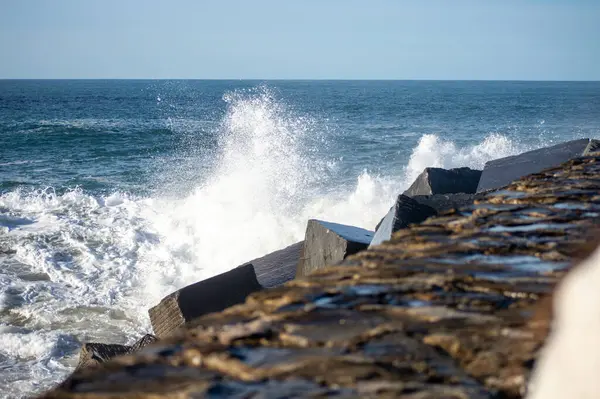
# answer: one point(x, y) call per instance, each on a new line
point(84, 268)
point(432, 151)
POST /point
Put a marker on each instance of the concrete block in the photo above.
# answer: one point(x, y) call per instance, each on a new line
point(95, 353)
point(446, 202)
point(278, 267)
point(445, 181)
point(207, 296)
point(405, 211)
point(328, 243)
point(142, 342)
point(501, 172)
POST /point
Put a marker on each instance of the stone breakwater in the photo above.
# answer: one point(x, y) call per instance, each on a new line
point(449, 308)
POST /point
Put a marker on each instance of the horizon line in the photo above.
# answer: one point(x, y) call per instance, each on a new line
point(321, 79)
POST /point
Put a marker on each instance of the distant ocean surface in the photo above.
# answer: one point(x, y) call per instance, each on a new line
point(113, 194)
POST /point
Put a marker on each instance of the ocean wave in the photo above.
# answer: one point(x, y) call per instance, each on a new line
point(109, 258)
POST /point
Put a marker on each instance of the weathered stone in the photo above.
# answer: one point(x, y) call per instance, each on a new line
point(278, 267)
point(501, 172)
point(210, 295)
point(445, 309)
point(446, 202)
point(227, 289)
point(94, 353)
point(328, 243)
point(142, 342)
point(405, 211)
point(445, 181)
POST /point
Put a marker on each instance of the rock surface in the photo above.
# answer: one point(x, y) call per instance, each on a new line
point(446, 202)
point(445, 181)
point(227, 289)
point(144, 341)
point(446, 309)
point(210, 295)
point(328, 243)
point(94, 353)
point(501, 172)
point(405, 211)
point(278, 267)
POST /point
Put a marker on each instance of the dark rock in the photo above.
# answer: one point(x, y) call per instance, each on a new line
point(406, 211)
point(278, 267)
point(328, 243)
point(500, 172)
point(445, 202)
point(95, 353)
point(225, 290)
point(445, 181)
point(207, 296)
point(142, 342)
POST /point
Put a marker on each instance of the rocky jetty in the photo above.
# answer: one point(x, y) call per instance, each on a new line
point(449, 308)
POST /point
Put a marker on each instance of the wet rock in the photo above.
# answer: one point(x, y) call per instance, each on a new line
point(328, 243)
point(144, 341)
point(446, 202)
point(405, 211)
point(93, 353)
point(210, 295)
point(227, 289)
point(278, 267)
point(445, 181)
point(501, 172)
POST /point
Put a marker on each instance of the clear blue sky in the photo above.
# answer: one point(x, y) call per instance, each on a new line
point(308, 39)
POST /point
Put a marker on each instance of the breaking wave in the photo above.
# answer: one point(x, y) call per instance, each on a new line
point(77, 267)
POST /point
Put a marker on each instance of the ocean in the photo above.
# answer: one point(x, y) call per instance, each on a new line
point(114, 193)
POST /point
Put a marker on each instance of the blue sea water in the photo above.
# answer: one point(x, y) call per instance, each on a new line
point(115, 193)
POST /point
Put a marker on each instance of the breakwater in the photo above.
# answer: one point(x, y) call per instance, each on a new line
point(446, 308)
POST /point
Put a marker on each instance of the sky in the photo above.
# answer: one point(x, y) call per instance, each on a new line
point(301, 39)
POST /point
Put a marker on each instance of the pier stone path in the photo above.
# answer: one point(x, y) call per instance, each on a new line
point(450, 308)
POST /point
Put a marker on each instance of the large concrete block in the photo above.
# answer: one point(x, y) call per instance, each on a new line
point(278, 267)
point(328, 243)
point(405, 211)
point(445, 181)
point(446, 202)
point(94, 353)
point(501, 172)
point(225, 290)
point(142, 342)
point(207, 296)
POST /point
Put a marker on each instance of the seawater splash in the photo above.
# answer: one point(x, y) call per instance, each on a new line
point(433, 151)
point(78, 267)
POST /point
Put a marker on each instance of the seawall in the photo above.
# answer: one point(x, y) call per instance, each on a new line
point(453, 307)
